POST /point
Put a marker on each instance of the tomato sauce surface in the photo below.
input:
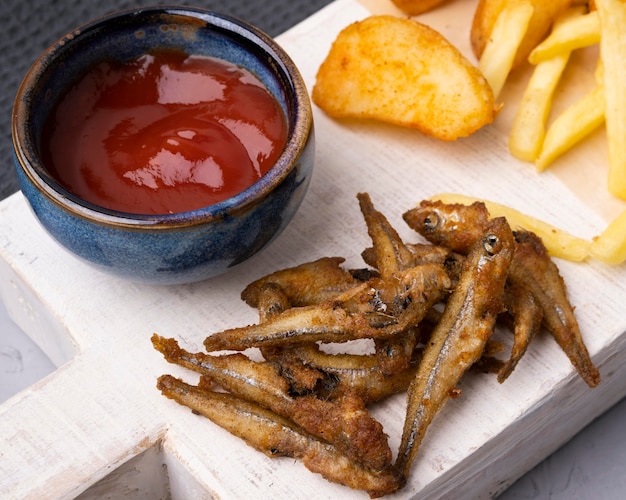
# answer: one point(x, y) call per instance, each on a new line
point(164, 133)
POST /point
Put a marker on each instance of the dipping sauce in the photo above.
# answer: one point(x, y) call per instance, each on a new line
point(165, 133)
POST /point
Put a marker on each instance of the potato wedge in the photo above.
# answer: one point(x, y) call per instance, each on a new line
point(485, 16)
point(610, 245)
point(577, 31)
point(415, 7)
point(559, 243)
point(487, 12)
point(613, 53)
point(403, 72)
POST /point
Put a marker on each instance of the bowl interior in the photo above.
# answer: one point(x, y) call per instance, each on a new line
point(128, 35)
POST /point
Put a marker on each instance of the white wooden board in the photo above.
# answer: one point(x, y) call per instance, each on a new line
point(100, 409)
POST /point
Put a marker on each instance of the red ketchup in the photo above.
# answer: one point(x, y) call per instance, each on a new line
point(165, 133)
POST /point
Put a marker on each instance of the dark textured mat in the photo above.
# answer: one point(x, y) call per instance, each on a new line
point(32, 25)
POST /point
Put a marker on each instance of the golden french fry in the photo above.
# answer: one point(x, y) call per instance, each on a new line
point(508, 32)
point(613, 52)
point(577, 31)
point(610, 245)
point(599, 72)
point(487, 11)
point(529, 125)
point(485, 17)
point(403, 72)
point(569, 128)
point(559, 243)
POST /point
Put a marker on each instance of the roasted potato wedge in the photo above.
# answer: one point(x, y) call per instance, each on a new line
point(393, 70)
point(488, 11)
point(415, 7)
point(485, 17)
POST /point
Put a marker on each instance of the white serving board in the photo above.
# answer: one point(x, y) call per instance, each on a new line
point(99, 420)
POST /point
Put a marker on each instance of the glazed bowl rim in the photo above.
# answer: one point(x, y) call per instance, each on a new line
point(300, 126)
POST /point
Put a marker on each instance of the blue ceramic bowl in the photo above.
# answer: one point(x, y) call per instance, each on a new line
point(172, 248)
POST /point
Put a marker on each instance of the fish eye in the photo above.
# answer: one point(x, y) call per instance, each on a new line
point(431, 221)
point(491, 244)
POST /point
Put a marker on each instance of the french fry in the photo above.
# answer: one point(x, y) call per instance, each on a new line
point(559, 243)
point(612, 15)
point(485, 17)
point(569, 128)
point(574, 32)
point(508, 32)
point(610, 245)
point(529, 125)
point(486, 14)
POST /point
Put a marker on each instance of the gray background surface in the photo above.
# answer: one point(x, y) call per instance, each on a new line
point(590, 466)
